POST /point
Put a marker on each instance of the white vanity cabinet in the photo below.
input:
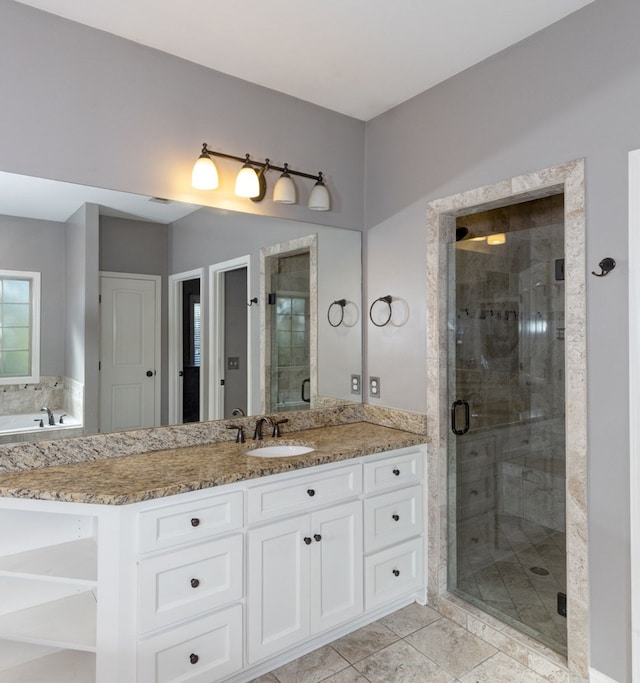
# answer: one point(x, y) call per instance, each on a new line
point(190, 584)
point(304, 577)
point(393, 526)
point(221, 584)
point(48, 588)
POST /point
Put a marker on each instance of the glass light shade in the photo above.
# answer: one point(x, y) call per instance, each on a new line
point(247, 182)
point(284, 191)
point(205, 174)
point(319, 197)
point(497, 238)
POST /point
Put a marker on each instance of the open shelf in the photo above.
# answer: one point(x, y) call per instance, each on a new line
point(65, 666)
point(74, 560)
point(68, 622)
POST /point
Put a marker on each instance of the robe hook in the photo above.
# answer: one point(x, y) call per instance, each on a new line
point(606, 266)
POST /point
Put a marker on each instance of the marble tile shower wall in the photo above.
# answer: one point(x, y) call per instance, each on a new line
point(18, 399)
point(517, 469)
point(510, 314)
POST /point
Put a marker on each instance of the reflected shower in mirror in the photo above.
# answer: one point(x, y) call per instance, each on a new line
point(76, 236)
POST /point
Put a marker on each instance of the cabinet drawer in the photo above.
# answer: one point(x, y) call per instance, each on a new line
point(392, 517)
point(200, 651)
point(397, 470)
point(185, 583)
point(189, 522)
point(303, 493)
point(393, 572)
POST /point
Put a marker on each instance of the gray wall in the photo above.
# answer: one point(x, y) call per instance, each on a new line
point(568, 92)
point(82, 341)
point(88, 107)
point(140, 247)
point(84, 106)
point(35, 245)
point(209, 237)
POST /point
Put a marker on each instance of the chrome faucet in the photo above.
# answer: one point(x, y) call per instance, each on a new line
point(257, 434)
point(50, 418)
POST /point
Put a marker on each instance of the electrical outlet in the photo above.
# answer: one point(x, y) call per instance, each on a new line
point(374, 387)
point(233, 363)
point(355, 384)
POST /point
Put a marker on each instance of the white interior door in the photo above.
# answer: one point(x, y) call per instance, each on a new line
point(129, 352)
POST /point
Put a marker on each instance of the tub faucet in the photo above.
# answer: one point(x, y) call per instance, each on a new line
point(257, 435)
point(51, 419)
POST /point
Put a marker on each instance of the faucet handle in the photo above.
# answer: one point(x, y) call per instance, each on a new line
point(276, 426)
point(240, 433)
point(61, 420)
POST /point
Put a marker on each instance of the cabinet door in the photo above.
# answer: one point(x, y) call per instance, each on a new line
point(278, 586)
point(336, 565)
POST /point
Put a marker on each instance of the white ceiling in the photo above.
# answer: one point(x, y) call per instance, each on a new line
point(53, 200)
point(357, 57)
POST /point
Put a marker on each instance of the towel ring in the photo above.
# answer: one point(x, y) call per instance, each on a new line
point(387, 300)
point(342, 303)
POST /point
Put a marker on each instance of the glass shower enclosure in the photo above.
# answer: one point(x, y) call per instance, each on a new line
point(506, 472)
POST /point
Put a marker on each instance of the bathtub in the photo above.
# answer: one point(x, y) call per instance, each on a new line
point(26, 427)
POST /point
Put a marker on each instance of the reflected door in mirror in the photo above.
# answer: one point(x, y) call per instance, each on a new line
point(129, 352)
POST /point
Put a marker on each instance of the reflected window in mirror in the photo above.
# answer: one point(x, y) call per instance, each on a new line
point(19, 326)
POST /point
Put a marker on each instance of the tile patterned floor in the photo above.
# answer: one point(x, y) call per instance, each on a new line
point(414, 645)
point(495, 574)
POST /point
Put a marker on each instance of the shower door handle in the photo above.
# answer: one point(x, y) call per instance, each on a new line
point(302, 396)
point(467, 416)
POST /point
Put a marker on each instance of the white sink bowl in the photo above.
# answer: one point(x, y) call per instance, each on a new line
point(279, 451)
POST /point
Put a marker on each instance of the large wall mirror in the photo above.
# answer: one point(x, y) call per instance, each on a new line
point(155, 312)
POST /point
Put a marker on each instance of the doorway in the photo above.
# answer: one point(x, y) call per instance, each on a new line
point(566, 179)
point(507, 541)
point(230, 383)
point(186, 347)
point(129, 351)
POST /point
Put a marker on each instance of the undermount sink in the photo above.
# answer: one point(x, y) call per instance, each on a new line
point(279, 451)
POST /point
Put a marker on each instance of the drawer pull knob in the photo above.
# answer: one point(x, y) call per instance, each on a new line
point(311, 492)
point(195, 521)
point(395, 518)
point(195, 583)
point(317, 537)
point(396, 572)
point(307, 540)
point(193, 658)
point(396, 472)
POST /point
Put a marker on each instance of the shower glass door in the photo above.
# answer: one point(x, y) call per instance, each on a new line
point(507, 439)
point(290, 366)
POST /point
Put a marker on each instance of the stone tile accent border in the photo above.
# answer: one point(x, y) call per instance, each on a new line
point(441, 215)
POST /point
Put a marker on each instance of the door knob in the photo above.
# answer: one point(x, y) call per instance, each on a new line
point(149, 373)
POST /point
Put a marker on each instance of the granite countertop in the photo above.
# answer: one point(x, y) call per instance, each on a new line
point(134, 478)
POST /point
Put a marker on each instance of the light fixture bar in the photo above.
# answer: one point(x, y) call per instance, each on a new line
point(267, 165)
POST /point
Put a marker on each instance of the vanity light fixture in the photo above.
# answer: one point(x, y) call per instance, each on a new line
point(284, 191)
point(247, 181)
point(251, 181)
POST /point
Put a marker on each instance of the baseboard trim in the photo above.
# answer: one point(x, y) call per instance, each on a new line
point(596, 676)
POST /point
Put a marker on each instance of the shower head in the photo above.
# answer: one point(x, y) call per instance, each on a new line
point(461, 233)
